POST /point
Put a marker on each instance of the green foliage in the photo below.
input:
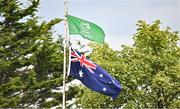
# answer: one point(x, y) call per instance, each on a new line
point(30, 61)
point(149, 71)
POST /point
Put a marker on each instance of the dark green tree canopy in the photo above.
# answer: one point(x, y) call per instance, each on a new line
point(30, 60)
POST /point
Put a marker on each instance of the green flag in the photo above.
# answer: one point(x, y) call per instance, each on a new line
point(86, 29)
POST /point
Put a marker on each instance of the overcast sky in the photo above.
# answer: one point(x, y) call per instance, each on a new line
point(117, 18)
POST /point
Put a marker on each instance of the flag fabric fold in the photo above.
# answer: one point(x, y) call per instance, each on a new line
point(86, 29)
point(93, 76)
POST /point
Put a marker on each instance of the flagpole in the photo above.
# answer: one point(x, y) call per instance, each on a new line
point(65, 44)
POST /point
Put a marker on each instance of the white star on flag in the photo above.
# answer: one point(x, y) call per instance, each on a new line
point(81, 73)
point(104, 89)
point(101, 75)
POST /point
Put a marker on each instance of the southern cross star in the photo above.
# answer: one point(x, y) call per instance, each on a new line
point(104, 89)
point(101, 75)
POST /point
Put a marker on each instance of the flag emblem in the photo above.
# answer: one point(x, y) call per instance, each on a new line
point(85, 27)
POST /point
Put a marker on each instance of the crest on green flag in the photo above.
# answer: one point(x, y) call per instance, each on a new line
point(86, 29)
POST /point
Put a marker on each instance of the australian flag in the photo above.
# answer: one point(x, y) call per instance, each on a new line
point(93, 76)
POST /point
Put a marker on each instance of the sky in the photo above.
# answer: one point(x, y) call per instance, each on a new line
point(117, 18)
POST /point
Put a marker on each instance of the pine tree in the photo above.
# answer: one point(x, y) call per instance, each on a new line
point(30, 60)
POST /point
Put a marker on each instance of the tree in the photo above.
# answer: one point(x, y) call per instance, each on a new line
point(31, 61)
point(149, 71)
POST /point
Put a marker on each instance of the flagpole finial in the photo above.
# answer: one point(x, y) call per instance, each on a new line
point(66, 7)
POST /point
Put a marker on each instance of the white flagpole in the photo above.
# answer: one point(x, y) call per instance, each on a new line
point(65, 44)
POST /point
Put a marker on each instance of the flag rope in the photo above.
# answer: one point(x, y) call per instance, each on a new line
point(69, 65)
